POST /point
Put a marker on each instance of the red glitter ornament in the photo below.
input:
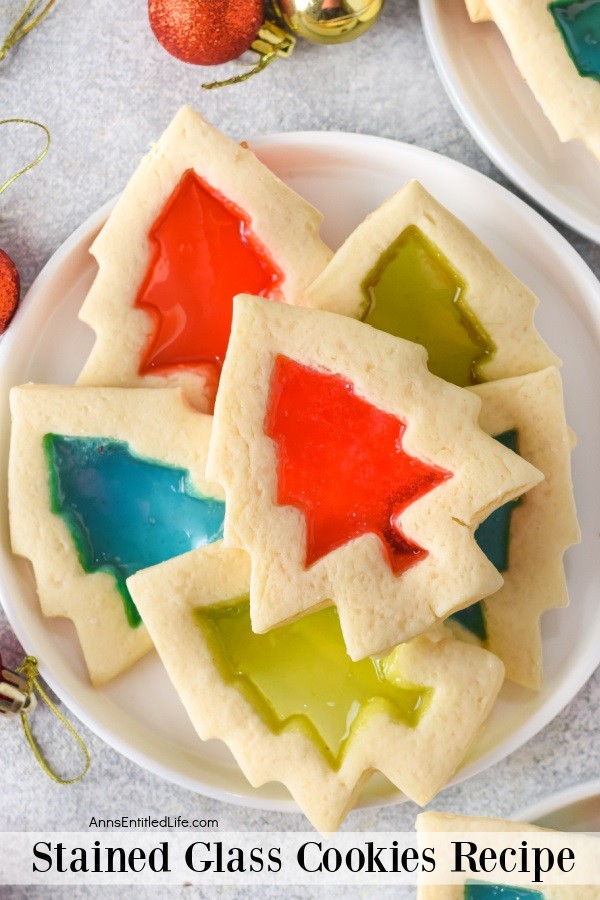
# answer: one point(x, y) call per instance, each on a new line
point(206, 32)
point(9, 290)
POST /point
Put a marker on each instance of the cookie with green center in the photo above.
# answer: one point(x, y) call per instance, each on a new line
point(104, 482)
point(414, 270)
point(556, 47)
point(492, 887)
point(292, 706)
point(353, 475)
point(529, 410)
point(201, 219)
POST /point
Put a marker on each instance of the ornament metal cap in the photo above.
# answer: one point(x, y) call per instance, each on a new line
point(15, 696)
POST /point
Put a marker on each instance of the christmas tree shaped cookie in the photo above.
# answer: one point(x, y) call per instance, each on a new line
point(292, 706)
point(104, 482)
point(413, 270)
point(527, 413)
point(352, 475)
point(200, 221)
point(554, 886)
point(556, 47)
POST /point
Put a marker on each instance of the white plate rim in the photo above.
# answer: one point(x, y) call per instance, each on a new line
point(577, 676)
point(553, 803)
point(467, 111)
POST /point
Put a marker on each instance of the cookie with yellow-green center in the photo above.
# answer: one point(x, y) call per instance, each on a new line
point(103, 482)
point(291, 705)
point(493, 887)
point(526, 413)
point(414, 270)
point(200, 220)
point(353, 475)
point(556, 47)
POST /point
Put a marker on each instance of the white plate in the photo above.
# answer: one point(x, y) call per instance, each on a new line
point(503, 116)
point(575, 809)
point(345, 176)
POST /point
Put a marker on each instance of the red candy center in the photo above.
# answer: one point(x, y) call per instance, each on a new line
point(203, 254)
point(340, 461)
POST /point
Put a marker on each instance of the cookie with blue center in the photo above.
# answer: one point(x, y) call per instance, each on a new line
point(527, 414)
point(104, 482)
point(556, 47)
point(440, 831)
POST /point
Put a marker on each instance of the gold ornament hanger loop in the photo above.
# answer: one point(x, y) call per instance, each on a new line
point(35, 161)
point(28, 675)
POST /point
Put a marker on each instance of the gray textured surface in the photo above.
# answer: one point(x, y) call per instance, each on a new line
point(96, 76)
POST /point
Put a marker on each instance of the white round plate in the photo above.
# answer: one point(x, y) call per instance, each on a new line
point(346, 176)
point(575, 809)
point(503, 116)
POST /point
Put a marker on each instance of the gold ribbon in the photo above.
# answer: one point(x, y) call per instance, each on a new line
point(22, 26)
point(29, 669)
point(38, 158)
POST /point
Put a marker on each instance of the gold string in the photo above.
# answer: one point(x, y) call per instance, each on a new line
point(38, 158)
point(262, 63)
point(23, 27)
point(30, 670)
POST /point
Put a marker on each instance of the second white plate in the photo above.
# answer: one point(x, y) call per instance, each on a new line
point(574, 809)
point(346, 176)
point(499, 110)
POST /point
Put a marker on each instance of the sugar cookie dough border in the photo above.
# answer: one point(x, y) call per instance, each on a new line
point(541, 528)
point(478, 10)
point(285, 224)
point(419, 761)
point(431, 822)
point(569, 100)
point(158, 424)
point(377, 609)
point(502, 304)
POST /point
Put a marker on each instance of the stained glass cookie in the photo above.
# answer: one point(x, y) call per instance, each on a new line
point(200, 220)
point(352, 475)
point(413, 270)
point(556, 47)
point(526, 539)
point(490, 887)
point(292, 706)
point(103, 482)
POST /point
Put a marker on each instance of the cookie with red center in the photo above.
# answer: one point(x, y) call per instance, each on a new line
point(353, 475)
point(201, 219)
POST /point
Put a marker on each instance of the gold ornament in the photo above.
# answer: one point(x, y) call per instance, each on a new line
point(329, 21)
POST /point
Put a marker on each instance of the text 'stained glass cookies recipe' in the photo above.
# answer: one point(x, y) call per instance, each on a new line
point(350, 555)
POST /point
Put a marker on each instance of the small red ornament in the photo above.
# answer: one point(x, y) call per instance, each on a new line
point(9, 290)
point(206, 32)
